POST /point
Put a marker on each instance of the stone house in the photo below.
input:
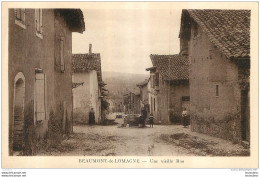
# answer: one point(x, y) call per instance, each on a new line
point(143, 86)
point(39, 72)
point(169, 87)
point(87, 81)
point(217, 43)
point(152, 95)
point(132, 102)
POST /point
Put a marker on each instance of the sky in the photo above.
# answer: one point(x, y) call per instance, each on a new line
point(126, 38)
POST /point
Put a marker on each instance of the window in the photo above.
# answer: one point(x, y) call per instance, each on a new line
point(38, 23)
point(20, 17)
point(62, 62)
point(40, 113)
point(217, 91)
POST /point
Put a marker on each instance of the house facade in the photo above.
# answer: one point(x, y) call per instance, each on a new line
point(152, 89)
point(132, 102)
point(39, 65)
point(169, 87)
point(144, 102)
point(217, 43)
point(87, 80)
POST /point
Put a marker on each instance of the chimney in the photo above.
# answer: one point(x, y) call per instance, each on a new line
point(90, 49)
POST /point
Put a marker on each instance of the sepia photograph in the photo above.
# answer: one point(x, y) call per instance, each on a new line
point(130, 83)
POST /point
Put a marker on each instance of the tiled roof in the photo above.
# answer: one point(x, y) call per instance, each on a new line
point(171, 67)
point(86, 63)
point(228, 30)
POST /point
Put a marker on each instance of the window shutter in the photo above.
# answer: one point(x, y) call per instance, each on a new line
point(40, 24)
point(62, 63)
point(40, 96)
point(23, 15)
point(18, 15)
point(36, 19)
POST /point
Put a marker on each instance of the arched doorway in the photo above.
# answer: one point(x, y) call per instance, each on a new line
point(18, 112)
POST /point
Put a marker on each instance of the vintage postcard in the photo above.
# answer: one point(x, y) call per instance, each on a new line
point(130, 85)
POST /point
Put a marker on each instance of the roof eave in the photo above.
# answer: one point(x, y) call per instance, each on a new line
point(74, 18)
point(151, 68)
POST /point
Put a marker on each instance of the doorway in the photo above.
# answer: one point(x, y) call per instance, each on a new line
point(245, 116)
point(185, 103)
point(18, 113)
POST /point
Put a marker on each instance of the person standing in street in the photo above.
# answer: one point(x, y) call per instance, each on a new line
point(185, 118)
point(91, 117)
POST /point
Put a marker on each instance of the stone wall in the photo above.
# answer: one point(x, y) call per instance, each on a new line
point(215, 93)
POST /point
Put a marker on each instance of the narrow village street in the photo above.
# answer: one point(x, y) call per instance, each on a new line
point(163, 140)
point(87, 81)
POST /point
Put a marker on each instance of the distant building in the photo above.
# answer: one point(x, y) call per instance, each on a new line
point(87, 80)
point(39, 73)
point(152, 89)
point(132, 102)
point(169, 87)
point(143, 93)
point(217, 43)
